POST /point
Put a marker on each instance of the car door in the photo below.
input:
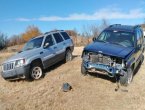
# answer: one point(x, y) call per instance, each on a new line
point(48, 53)
point(59, 46)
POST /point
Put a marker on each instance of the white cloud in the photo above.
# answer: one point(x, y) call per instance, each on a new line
point(107, 13)
point(23, 19)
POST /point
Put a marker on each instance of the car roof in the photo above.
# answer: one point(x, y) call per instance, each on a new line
point(46, 33)
point(119, 27)
point(54, 31)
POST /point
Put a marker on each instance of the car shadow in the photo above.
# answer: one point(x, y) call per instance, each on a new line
point(102, 76)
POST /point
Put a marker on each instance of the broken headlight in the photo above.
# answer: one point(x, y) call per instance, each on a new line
point(85, 56)
point(119, 64)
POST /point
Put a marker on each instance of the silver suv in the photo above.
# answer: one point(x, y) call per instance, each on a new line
point(38, 54)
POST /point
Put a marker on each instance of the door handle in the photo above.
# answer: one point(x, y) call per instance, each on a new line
point(55, 47)
point(41, 52)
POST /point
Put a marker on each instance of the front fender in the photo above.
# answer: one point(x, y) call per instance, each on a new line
point(130, 62)
point(32, 58)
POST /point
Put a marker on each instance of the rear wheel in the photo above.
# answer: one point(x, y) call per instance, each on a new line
point(68, 55)
point(127, 78)
point(83, 70)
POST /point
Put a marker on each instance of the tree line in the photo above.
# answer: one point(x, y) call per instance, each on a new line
point(79, 39)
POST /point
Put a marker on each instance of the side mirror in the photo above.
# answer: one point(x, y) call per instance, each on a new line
point(46, 45)
point(94, 38)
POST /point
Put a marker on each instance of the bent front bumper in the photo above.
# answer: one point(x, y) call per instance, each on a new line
point(112, 71)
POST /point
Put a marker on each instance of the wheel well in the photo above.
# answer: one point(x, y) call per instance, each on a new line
point(133, 66)
point(37, 61)
point(68, 48)
point(143, 50)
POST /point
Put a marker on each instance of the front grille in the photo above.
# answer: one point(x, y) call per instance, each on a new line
point(100, 58)
point(8, 66)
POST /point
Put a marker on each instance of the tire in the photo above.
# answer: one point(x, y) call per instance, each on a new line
point(127, 78)
point(142, 59)
point(36, 71)
point(68, 55)
point(83, 70)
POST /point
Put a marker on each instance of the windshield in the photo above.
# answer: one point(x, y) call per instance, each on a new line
point(34, 43)
point(122, 38)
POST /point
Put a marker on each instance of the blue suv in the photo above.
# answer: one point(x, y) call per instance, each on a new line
point(116, 52)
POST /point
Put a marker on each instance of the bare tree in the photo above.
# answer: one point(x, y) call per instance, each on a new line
point(73, 34)
point(86, 33)
point(3, 41)
point(15, 40)
point(94, 30)
point(104, 24)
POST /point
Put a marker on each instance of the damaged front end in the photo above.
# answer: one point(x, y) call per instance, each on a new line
point(109, 65)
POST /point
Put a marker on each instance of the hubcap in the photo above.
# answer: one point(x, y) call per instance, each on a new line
point(68, 56)
point(36, 73)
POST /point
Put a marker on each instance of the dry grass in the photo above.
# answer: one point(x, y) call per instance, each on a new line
point(88, 93)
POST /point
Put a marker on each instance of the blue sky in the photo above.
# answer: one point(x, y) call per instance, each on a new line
point(16, 15)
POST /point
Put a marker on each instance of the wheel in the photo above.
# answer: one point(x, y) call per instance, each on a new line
point(36, 72)
point(126, 79)
point(68, 55)
point(83, 70)
point(142, 59)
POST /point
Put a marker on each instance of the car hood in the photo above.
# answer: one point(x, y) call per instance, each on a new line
point(24, 54)
point(109, 49)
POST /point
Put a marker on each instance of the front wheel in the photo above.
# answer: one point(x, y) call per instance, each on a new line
point(36, 72)
point(127, 78)
point(83, 70)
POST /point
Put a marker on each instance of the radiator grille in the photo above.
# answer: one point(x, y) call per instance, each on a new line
point(8, 66)
point(100, 58)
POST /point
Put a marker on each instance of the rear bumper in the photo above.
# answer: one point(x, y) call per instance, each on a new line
point(19, 72)
point(111, 71)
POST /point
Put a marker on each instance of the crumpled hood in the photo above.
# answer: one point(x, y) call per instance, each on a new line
point(109, 49)
point(24, 54)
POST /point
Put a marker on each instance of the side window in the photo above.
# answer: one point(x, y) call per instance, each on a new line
point(102, 36)
point(141, 36)
point(58, 37)
point(65, 35)
point(138, 34)
point(49, 40)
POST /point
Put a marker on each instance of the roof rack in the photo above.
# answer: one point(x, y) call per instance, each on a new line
point(115, 25)
point(53, 31)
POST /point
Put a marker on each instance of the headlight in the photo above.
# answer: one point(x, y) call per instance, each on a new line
point(85, 56)
point(19, 63)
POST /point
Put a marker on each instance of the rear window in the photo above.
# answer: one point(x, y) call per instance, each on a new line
point(58, 37)
point(65, 35)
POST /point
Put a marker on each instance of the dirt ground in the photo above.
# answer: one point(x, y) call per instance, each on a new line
point(92, 92)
